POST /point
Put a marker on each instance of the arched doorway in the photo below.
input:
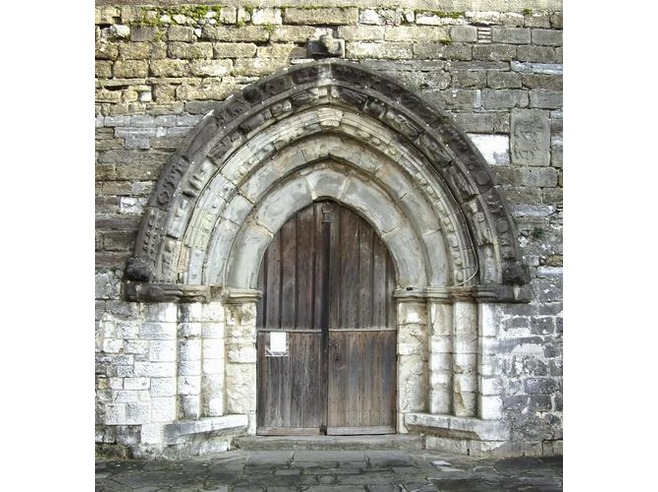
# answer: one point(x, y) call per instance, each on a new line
point(326, 327)
point(332, 130)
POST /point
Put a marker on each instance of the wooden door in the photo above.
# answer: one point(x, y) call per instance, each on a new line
point(326, 327)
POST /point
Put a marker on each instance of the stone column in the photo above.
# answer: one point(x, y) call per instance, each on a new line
point(412, 357)
point(241, 356)
point(212, 360)
point(189, 360)
point(465, 353)
point(439, 308)
point(490, 394)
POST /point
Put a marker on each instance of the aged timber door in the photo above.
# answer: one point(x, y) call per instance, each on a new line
point(326, 327)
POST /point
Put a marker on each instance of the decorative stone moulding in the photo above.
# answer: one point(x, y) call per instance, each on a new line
point(327, 129)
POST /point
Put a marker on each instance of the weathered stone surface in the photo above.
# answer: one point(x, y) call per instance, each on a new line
point(494, 148)
point(266, 16)
point(530, 138)
point(410, 33)
point(436, 49)
point(235, 34)
point(496, 99)
point(504, 80)
point(504, 52)
point(379, 50)
point(469, 79)
point(321, 16)
point(234, 50)
point(361, 33)
point(510, 35)
point(211, 68)
point(547, 37)
point(545, 99)
point(142, 358)
point(538, 54)
point(190, 50)
point(463, 34)
point(130, 69)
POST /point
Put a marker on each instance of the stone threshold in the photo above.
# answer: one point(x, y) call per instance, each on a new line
point(320, 443)
point(185, 430)
point(453, 427)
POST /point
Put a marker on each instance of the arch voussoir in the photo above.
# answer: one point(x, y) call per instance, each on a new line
point(398, 138)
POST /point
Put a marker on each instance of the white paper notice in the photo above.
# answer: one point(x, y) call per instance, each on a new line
point(278, 342)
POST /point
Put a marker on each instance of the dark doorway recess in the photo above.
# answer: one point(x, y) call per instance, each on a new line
point(326, 327)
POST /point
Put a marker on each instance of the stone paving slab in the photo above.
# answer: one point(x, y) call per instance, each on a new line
point(316, 471)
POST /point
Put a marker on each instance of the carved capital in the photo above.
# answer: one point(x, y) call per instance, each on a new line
point(235, 295)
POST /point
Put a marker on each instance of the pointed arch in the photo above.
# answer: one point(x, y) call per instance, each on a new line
point(331, 129)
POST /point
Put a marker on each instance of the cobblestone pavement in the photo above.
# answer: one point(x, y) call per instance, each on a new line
point(370, 470)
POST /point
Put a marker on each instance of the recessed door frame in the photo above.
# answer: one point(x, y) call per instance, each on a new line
point(345, 271)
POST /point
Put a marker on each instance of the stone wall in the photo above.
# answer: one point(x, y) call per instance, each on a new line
point(159, 70)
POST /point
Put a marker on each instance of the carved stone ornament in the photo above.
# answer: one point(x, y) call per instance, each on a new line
point(235, 124)
point(326, 47)
point(161, 292)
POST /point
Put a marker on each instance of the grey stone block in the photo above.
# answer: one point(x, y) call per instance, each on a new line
point(510, 98)
point(530, 139)
point(547, 37)
point(537, 54)
point(504, 80)
point(510, 35)
point(495, 52)
point(545, 99)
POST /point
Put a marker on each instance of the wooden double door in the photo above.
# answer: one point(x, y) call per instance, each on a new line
point(326, 334)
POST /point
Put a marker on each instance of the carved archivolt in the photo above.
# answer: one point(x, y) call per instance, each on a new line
point(329, 129)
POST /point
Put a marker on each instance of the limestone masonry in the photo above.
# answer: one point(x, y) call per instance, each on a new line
point(440, 123)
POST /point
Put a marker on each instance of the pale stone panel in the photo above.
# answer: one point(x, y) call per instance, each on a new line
point(412, 358)
point(465, 358)
point(115, 414)
point(248, 248)
point(289, 196)
point(189, 367)
point(213, 330)
point(189, 330)
point(160, 312)
point(408, 255)
point(213, 316)
point(440, 363)
point(189, 349)
point(151, 434)
point(136, 383)
point(189, 385)
point(494, 148)
point(163, 387)
point(137, 413)
point(162, 350)
point(530, 137)
point(220, 245)
point(163, 410)
point(212, 394)
point(155, 369)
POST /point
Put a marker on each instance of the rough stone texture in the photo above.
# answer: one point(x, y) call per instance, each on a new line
point(157, 78)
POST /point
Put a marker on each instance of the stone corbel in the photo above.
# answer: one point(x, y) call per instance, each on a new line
point(163, 292)
point(503, 293)
point(326, 47)
point(234, 295)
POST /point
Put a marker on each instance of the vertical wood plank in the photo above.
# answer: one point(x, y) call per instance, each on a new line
point(288, 274)
point(273, 284)
point(306, 252)
point(344, 378)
